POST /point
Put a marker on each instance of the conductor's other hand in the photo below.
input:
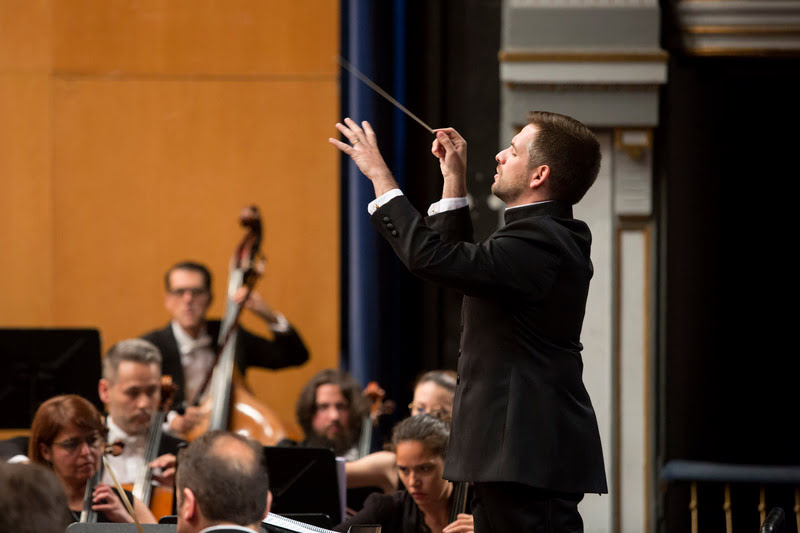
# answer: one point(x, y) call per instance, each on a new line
point(363, 150)
point(451, 150)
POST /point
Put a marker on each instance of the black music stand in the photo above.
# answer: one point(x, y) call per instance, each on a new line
point(303, 480)
point(39, 363)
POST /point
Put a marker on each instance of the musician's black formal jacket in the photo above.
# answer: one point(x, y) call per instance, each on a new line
point(286, 350)
point(521, 411)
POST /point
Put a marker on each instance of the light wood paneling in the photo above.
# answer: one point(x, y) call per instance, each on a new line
point(25, 35)
point(26, 261)
point(186, 37)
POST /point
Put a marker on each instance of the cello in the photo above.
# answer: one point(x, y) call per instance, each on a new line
point(89, 515)
point(157, 498)
point(232, 406)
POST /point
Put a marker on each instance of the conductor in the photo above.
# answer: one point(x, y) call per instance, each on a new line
point(524, 429)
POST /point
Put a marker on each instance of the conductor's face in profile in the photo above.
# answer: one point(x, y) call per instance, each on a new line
point(188, 298)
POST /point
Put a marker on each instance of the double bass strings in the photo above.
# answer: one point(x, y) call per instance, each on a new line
point(355, 72)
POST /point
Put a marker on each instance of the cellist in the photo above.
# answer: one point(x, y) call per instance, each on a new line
point(188, 343)
point(130, 388)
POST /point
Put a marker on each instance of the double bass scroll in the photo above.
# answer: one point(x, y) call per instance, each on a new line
point(232, 405)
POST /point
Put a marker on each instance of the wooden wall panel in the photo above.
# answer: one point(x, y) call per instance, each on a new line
point(25, 35)
point(184, 37)
point(148, 127)
point(26, 265)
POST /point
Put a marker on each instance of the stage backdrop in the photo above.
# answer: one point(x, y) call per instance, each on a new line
point(132, 133)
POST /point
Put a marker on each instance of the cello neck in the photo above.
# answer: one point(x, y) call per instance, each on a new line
point(89, 515)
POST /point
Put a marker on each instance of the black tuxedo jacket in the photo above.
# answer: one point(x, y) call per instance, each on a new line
point(287, 349)
point(521, 411)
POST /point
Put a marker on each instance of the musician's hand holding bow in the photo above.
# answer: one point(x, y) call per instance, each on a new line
point(363, 149)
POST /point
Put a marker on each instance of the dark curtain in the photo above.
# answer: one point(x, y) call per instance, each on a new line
point(439, 59)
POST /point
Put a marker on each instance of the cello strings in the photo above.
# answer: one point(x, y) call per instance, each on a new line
point(353, 70)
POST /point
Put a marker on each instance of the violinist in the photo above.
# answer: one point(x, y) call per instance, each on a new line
point(131, 391)
point(188, 343)
point(68, 436)
point(425, 505)
point(330, 410)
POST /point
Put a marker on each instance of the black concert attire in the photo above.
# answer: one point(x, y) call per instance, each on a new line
point(522, 418)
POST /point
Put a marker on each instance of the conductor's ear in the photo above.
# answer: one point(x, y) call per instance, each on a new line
point(539, 176)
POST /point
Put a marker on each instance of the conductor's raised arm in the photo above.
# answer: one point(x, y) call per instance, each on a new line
point(364, 151)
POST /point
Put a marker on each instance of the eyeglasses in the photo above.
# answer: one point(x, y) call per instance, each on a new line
point(72, 445)
point(194, 291)
point(436, 410)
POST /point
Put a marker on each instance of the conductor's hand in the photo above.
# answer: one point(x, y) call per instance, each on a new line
point(363, 149)
point(451, 150)
point(464, 522)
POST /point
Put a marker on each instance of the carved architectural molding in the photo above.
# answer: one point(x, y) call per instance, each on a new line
point(739, 27)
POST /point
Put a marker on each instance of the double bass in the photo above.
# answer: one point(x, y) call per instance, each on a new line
point(232, 406)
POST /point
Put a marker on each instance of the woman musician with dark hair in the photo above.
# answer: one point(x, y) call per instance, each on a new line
point(428, 503)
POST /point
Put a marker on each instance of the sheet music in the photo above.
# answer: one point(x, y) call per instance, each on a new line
point(296, 526)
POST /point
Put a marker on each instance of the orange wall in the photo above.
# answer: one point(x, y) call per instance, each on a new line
point(132, 133)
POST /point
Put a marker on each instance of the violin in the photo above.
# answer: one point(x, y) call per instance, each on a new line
point(157, 498)
point(232, 405)
point(378, 407)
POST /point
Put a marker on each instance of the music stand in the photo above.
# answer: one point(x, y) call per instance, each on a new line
point(303, 480)
point(39, 363)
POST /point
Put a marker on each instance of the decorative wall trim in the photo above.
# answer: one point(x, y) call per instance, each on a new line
point(530, 56)
point(579, 4)
point(740, 27)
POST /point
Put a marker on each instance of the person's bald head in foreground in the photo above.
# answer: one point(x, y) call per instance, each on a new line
point(221, 480)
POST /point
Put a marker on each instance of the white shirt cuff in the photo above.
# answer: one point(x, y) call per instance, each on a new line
point(382, 199)
point(447, 204)
point(281, 325)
